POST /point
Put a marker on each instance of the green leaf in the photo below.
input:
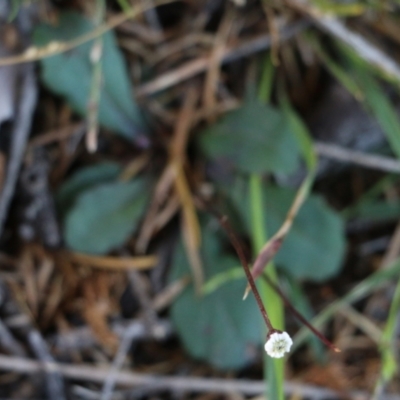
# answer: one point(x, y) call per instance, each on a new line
point(383, 110)
point(103, 217)
point(219, 327)
point(255, 138)
point(83, 180)
point(315, 245)
point(375, 210)
point(372, 206)
point(341, 73)
point(69, 74)
point(367, 286)
point(340, 10)
point(388, 345)
point(374, 98)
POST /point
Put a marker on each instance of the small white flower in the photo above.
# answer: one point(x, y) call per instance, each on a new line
point(278, 344)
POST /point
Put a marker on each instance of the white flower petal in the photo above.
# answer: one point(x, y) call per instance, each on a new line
point(278, 344)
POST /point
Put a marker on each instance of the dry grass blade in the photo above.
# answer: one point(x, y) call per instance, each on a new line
point(37, 53)
point(274, 31)
point(55, 135)
point(133, 168)
point(190, 228)
point(166, 297)
point(161, 192)
point(112, 263)
point(96, 309)
point(199, 65)
point(190, 223)
point(31, 294)
point(366, 50)
point(213, 72)
point(362, 322)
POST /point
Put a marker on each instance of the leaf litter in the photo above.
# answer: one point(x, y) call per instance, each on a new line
point(178, 128)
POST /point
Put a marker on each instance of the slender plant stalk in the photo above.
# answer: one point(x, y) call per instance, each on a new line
point(273, 368)
point(240, 252)
point(97, 75)
point(388, 348)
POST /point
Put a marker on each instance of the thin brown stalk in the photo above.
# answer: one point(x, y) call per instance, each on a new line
point(303, 320)
point(224, 222)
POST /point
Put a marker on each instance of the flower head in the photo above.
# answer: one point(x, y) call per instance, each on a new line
point(278, 344)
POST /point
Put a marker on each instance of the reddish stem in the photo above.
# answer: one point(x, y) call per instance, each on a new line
point(223, 220)
point(319, 335)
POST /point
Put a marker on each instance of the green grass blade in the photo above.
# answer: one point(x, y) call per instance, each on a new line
point(360, 291)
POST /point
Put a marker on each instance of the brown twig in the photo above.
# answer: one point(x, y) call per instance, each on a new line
point(19, 137)
point(123, 349)
point(190, 225)
point(195, 67)
point(82, 339)
point(8, 343)
point(54, 380)
point(215, 58)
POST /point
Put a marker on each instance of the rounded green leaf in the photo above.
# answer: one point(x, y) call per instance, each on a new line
point(105, 216)
point(69, 74)
point(82, 180)
point(315, 245)
point(255, 138)
point(219, 327)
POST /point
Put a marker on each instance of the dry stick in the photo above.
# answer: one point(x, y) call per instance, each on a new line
point(81, 339)
point(195, 67)
point(8, 343)
point(190, 223)
point(366, 50)
point(110, 380)
point(138, 287)
point(214, 70)
point(19, 138)
point(54, 380)
point(191, 384)
point(55, 135)
point(356, 157)
point(150, 319)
